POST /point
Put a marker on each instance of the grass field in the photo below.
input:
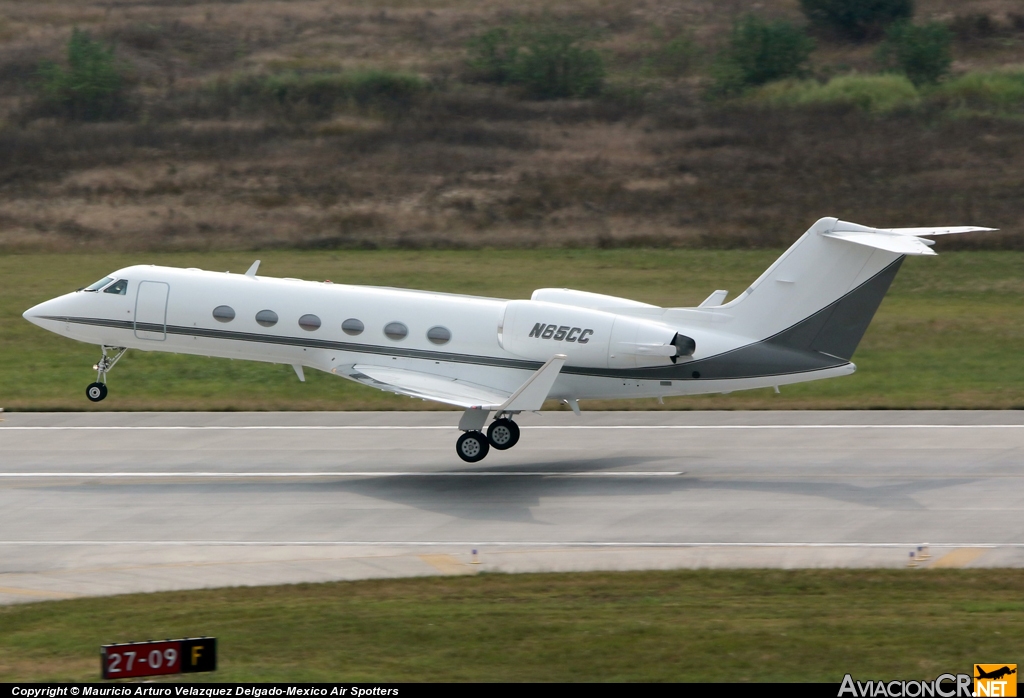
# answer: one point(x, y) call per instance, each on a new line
point(950, 334)
point(751, 625)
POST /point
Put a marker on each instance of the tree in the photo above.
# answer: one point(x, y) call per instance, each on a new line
point(857, 19)
point(760, 51)
point(921, 52)
point(91, 88)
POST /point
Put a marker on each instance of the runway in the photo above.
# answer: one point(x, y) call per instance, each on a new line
point(107, 503)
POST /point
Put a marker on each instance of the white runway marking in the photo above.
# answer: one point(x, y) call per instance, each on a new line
point(348, 473)
point(661, 427)
point(504, 544)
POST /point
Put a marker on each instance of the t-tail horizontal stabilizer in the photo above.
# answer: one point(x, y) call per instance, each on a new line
point(899, 240)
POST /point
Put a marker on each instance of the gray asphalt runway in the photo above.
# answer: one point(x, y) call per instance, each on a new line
point(118, 502)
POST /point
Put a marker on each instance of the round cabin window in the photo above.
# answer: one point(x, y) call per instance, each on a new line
point(224, 313)
point(395, 330)
point(439, 335)
point(353, 326)
point(309, 322)
point(266, 318)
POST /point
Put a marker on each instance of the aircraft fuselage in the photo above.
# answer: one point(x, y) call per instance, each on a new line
point(173, 310)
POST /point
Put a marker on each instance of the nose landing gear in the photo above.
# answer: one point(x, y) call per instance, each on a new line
point(98, 390)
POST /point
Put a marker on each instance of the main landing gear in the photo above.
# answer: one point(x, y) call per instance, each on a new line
point(98, 390)
point(503, 433)
point(473, 446)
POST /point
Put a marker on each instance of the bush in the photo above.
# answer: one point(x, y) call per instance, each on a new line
point(673, 58)
point(325, 91)
point(554, 65)
point(999, 92)
point(872, 93)
point(976, 25)
point(857, 19)
point(549, 62)
point(759, 52)
point(987, 93)
point(492, 55)
point(315, 95)
point(921, 52)
point(92, 86)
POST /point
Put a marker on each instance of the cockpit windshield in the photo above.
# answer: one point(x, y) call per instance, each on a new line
point(99, 284)
point(120, 288)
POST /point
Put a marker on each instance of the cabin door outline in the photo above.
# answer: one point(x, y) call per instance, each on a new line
point(151, 310)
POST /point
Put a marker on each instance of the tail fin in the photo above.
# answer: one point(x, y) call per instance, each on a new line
point(822, 293)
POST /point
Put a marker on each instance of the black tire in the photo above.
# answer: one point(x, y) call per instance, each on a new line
point(503, 434)
point(472, 446)
point(96, 392)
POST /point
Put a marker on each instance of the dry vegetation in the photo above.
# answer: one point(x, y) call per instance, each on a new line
point(463, 164)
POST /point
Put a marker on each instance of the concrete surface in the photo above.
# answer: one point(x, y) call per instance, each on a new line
point(108, 503)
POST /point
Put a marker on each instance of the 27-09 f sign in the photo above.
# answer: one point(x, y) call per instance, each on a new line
point(133, 659)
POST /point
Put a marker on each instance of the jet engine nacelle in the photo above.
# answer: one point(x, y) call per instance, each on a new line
point(593, 338)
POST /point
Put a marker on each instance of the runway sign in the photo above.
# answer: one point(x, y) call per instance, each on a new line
point(155, 658)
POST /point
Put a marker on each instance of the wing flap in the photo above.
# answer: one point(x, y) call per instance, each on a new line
point(450, 391)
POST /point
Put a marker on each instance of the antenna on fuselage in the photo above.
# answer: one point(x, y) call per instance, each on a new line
point(253, 268)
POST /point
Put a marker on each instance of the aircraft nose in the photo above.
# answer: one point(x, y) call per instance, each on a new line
point(37, 313)
point(33, 313)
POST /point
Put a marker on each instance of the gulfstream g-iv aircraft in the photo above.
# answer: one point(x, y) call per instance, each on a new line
point(800, 321)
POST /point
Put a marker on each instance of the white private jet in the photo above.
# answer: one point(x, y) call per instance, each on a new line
point(800, 321)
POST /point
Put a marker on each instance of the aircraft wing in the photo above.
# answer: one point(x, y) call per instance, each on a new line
point(453, 391)
point(426, 386)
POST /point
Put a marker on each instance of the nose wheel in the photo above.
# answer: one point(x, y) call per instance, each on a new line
point(98, 390)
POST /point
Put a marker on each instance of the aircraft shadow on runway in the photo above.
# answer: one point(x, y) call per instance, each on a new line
point(512, 498)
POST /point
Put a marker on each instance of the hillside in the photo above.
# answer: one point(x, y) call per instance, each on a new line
point(386, 138)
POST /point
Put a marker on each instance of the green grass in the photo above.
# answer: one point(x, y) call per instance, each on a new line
point(949, 335)
point(873, 93)
point(1000, 92)
point(735, 625)
point(994, 93)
